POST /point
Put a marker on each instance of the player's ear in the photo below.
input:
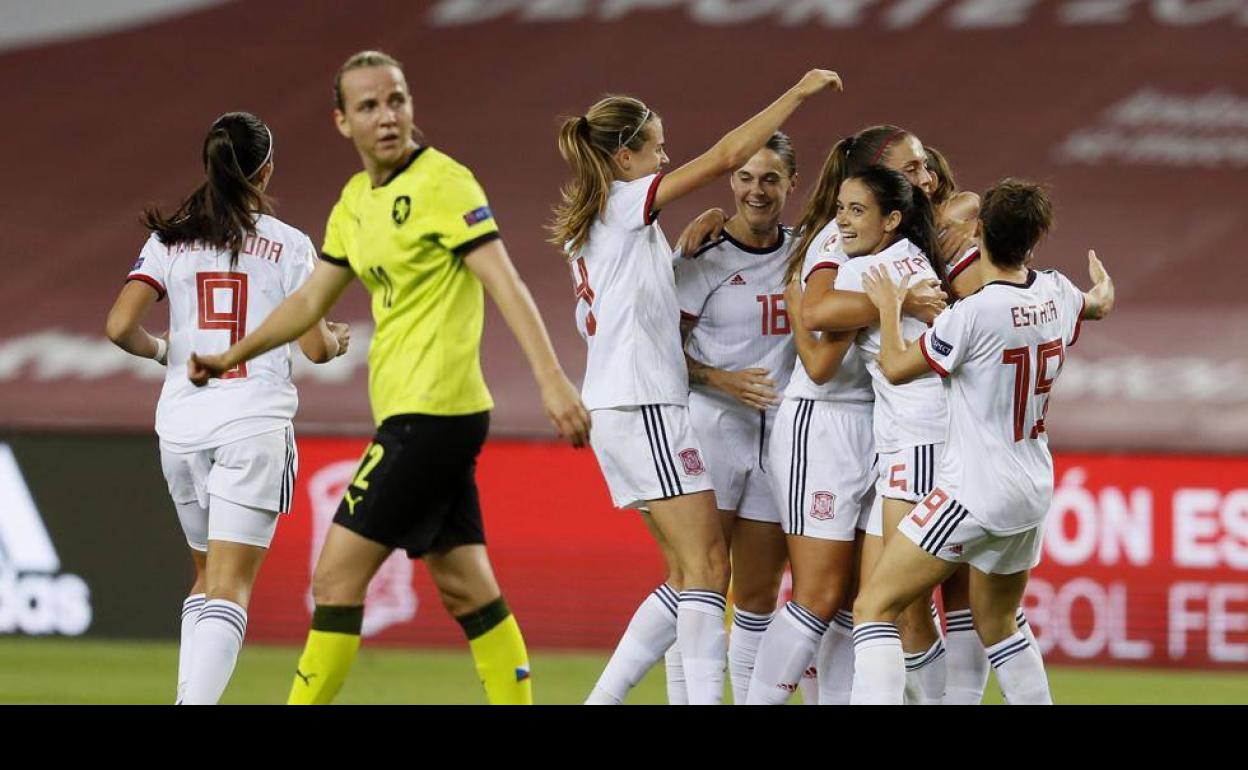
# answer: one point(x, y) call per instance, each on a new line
point(340, 122)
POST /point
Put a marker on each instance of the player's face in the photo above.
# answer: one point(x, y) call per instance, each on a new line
point(377, 114)
point(761, 187)
point(909, 157)
point(652, 156)
point(865, 229)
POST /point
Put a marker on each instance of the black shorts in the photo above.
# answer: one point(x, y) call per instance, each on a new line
point(415, 487)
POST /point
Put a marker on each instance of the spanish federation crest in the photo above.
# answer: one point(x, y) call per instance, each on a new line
point(692, 460)
point(823, 506)
point(402, 209)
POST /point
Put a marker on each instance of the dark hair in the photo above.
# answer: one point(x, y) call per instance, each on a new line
point(220, 212)
point(893, 192)
point(939, 167)
point(360, 61)
point(851, 154)
point(1015, 214)
point(782, 146)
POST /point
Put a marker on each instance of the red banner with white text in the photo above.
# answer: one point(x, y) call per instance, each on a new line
point(1145, 562)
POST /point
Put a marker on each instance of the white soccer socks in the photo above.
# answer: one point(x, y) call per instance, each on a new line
point(786, 651)
point(1020, 671)
point(835, 661)
point(649, 634)
point(703, 644)
point(879, 668)
point(968, 665)
point(190, 613)
point(219, 633)
point(747, 632)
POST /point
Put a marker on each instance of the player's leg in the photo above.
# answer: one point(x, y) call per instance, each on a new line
point(904, 574)
point(759, 555)
point(186, 475)
point(968, 665)
point(191, 605)
point(649, 637)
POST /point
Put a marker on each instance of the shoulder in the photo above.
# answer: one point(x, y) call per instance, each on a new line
point(283, 230)
point(350, 194)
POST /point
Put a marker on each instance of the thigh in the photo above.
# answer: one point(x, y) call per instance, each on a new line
point(904, 575)
point(464, 577)
point(231, 522)
point(759, 554)
point(994, 602)
point(346, 564)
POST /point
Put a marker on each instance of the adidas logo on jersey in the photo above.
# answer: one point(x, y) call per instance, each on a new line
point(737, 280)
point(34, 599)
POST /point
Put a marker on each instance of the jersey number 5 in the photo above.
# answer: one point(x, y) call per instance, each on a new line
point(1020, 359)
point(223, 307)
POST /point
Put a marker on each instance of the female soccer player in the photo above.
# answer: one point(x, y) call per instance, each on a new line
point(636, 383)
point(416, 228)
point(228, 451)
point(1000, 352)
point(740, 352)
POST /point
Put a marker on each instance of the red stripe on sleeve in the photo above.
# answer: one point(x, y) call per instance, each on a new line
point(150, 281)
point(1083, 304)
point(647, 214)
point(930, 361)
point(966, 262)
point(821, 266)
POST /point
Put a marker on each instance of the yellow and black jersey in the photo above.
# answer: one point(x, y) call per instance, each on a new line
point(406, 240)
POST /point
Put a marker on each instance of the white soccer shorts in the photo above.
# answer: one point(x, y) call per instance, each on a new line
point(908, 474)
point(943, 527)
point(235, 491)
point(648, 453)
point(735, 442)
point(821, 460)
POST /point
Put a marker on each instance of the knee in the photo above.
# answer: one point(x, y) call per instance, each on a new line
point(873, 606)
point(456, 597)
point(337, 587)
point(822, 600)
point(993, 628)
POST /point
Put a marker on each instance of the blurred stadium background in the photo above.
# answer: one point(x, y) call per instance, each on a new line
point(1135, 112)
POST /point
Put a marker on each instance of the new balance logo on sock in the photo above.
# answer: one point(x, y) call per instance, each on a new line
point(307, 678)
point(737, 280)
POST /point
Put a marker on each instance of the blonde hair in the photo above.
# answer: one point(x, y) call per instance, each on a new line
point(360, 61)
point(588, 143)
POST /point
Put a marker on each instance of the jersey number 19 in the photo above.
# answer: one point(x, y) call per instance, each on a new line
point(1021, 360)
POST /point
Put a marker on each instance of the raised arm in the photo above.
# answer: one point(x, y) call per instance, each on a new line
point(736, 147)
point(490, 263)
point(297, 314)
point(124, 319)
point(1098, 302)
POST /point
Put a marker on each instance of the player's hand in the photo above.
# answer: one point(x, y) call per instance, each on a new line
point(565, 409)
point(793, 302)
point(200, 369)
point(1099, 301)
point(342, 333)
point(752, 387)
point(924, 301)
point(707, 226)
point(816, 80)
point(885, 294)
point(955, 239)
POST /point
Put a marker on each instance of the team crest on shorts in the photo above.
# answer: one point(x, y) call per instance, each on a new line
point(692, 461)
point(823, 506)
point(402, 209)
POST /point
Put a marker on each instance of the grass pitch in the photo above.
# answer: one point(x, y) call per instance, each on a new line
point(106, 672)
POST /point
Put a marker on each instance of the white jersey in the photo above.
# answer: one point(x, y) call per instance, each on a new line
point(736, 293)
point(627, 310)
point(1000, 351)
point(851, 382)
point(911, 414)
point(211, 306)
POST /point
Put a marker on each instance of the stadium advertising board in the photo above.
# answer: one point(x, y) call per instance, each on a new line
point(1145, 561)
